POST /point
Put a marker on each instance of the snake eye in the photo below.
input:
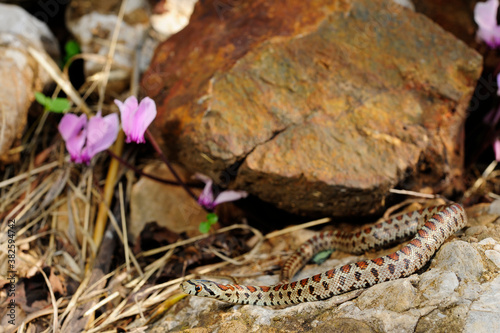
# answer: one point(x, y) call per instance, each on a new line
point(197, 288)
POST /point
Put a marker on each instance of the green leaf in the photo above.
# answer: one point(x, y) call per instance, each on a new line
point(212, 218)
point(42, 99)
point(59, 105)
point(321, 257)
point(71, 48)
point(204, 227)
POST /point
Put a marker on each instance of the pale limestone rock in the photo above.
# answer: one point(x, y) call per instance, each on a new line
point(461, 258)
point(383, 295)
point(438, 287)
point(484, 314)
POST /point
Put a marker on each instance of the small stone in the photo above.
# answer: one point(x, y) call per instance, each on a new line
point(475, 230)
point(174, 16)
point(493, 256)
point(487, 241)
point(495, 207)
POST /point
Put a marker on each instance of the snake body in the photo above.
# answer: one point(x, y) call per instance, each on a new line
point(431, 226)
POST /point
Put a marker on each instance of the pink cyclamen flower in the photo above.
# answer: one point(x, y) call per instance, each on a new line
point(207, 199)
point(496, 148)
point(493, 116)
point(485, 15)
point(84, 139)
point(136, 118)
point(498, 84)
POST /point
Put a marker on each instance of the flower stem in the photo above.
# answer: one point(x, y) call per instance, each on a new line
point(147, 175)
point(102, 214)
point(174, 173)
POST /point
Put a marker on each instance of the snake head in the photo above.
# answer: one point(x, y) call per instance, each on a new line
point(198, 287)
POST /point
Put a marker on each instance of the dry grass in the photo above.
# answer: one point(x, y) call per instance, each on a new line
point(35, 200)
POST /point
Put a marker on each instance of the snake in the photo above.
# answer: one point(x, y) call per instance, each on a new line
point(430, 227)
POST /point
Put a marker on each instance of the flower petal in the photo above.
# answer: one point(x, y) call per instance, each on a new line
point(498, 84)
point(485, 15)
point(229, 195)
point(206, 198)
point(71, 124)
point(143, 117)
point(127, 110)
point(75, 144)
point(136, 118)
point(490, 36)
point(205, 202)
point(73, 129)
point(496, 148)
point(203, 178)
point(101, 133)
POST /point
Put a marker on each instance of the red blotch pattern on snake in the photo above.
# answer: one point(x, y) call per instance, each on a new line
point(431, 226)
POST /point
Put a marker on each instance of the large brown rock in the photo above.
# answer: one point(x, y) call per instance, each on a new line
point(167, 205)
point(316, 106)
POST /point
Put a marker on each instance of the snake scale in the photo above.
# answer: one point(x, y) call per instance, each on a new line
point(431, 227)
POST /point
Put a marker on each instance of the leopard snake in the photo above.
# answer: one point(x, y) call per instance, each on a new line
point(431, 226)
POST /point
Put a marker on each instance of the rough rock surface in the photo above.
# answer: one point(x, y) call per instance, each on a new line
point(457, 292)
point(318, 107)
point(20, 74)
